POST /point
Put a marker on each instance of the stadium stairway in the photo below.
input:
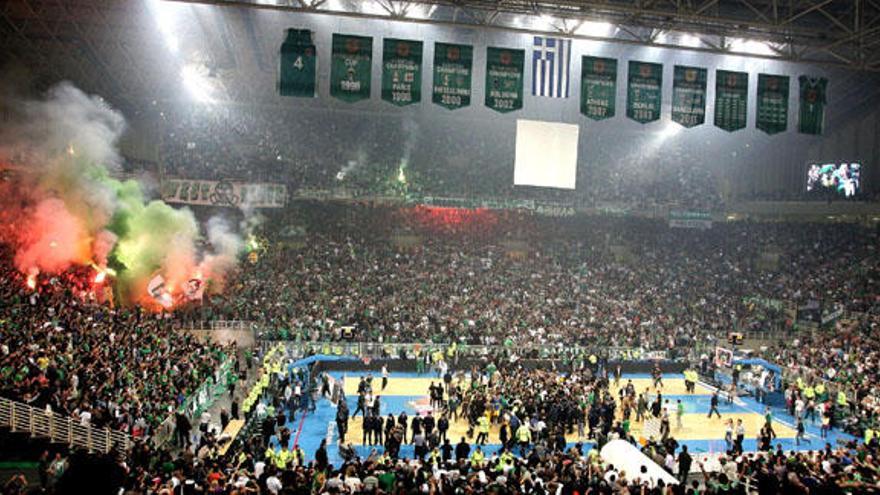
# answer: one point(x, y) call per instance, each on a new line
point(224, 401)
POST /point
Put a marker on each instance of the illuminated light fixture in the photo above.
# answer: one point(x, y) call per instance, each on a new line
point(373, 8)
point(689, 40)
point(750, 46)
point(165, 15)
point(196, 83)
point(546, 21)
point(422, 11)
point(593, 28)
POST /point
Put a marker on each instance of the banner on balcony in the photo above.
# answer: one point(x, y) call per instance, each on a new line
point(224, 193)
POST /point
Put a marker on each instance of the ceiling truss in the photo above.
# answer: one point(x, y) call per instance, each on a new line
point(88, 41)
point(830, 32)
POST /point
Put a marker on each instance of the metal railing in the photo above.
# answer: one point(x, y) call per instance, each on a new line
point(196, 402)
point(411, 350)
point(40, 423)
point(235, 325)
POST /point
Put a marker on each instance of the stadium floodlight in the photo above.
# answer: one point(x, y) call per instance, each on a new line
point(165, 14)
point(196, 83)
point(594, 28)
point(545, 22)
point(689, 40)
point(750, 46)
point(373, 7)
point(421, 11)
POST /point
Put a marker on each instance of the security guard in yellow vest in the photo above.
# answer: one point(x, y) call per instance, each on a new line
point(841, 398)
point(477, 457)
point(810, 393)
point(503, 459)
point(483, 436)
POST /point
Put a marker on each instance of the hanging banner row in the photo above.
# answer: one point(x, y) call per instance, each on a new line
point(351, 78)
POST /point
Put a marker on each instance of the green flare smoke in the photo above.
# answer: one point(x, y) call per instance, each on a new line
point(70, 141)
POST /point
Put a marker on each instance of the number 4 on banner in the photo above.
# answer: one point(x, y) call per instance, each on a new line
point(298, 64)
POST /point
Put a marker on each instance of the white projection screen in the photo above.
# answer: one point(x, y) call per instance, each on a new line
point(546, 154)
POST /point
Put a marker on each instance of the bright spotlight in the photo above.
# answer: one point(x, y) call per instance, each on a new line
point(750, 46)
point(592, 28)
point(165, 15)
point(689, 40)
point(545, 22)
point(422, 11)
point(373, 8)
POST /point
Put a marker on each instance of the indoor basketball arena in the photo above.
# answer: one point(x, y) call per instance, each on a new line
point(565, 247)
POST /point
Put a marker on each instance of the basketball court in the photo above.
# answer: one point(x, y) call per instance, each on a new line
point(703, 435)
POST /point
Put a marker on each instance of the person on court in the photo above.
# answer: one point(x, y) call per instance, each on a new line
point(658, 376)
point(679, 412)
point(740, 436)
point(728, 434)
point(713, 405)
point(483, 436)
point(342, 419)
point(384, 376)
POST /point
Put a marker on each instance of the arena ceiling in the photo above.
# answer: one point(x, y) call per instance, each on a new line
point(123, 50)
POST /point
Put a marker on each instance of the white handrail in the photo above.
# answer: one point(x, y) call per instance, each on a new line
point(39, 423)
point(230, 325)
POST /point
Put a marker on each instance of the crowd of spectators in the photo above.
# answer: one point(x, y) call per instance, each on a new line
point(536, 407)
point(123, 368)
point(492, 276)
point(484, 277)
point(369, 149)
point(525, 281)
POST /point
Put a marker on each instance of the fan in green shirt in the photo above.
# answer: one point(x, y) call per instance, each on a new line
point(387, 481)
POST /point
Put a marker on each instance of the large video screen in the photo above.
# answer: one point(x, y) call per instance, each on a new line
point(546, 154)
point(834, 178)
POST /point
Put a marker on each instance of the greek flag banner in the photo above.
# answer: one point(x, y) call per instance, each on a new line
point(551, 58)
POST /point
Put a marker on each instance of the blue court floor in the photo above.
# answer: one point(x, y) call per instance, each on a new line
point(313, 426)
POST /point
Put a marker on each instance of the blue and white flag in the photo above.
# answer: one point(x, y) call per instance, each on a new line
point(551, 58)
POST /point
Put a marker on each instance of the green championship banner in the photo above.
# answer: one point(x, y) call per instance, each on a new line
point(731, 99)
point(811, 116)
point(402, 71)
point(598, 87)
point(452, 75)
point(350, 68)
point(504, 79)
point(298, 64)
point(643, 91)
point(772, 103)
point(689, 96)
